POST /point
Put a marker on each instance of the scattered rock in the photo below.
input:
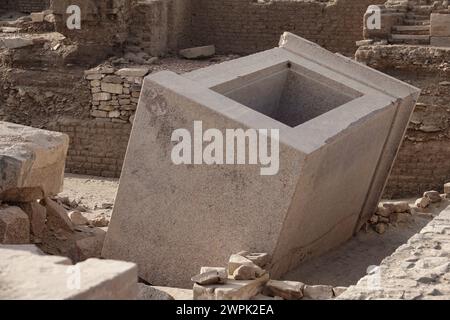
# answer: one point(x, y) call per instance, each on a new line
point(422, 202)
point(337, 291)
point(198, 52)
point(246, 272)
point(319, 292)
point(381, 228)
point(99, 221)
point(77, 218)
point(209, 277)
point(236, 261)
point(57, 216)
point(91, 246)
point(260, 259)
point(434, 196)
point(288, 290)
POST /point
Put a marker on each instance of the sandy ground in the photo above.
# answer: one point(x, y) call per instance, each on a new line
point(343, 266)
point(94, 193)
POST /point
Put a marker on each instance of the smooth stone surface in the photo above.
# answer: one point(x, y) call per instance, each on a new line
point(288, 290)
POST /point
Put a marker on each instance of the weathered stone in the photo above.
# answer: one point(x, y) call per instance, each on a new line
point(37, 215)
point(95, 77)
point(237, 261)
point(209, 277)
point(14, 226)
point(37, 16)
point(99, 114)
point(91, 247)
point(77, 218)
point(198, 52)
point(247, 272)
point(294, 208)
point(232, 290)
point(440, 25)
point(434, 196)
point(177, 293)
point(99, 221)
point(337, 291)
point(401, 206)
point(31, 162)
point(15, 43)
point(260, 259)
point(151, 293)
point(222, 272)
point(57, 217)
point(133, 72)
point(440, 42)
point(381, 228)
point(319, 292)
point(112, 88)
point(447, 189)
point(25, 275)
point(102, 96)
point(112, 79)
point(384, 211)
point(288, 290)
point(423, 202)
point(99, 70)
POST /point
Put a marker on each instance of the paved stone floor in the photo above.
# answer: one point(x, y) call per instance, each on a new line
point(419, 269)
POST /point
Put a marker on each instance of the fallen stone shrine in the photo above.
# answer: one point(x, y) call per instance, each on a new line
point(340, 125)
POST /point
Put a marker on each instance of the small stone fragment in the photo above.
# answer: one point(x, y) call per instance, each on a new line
point(288, 290)
point(206, 278)
point(422, 202)
point(57, 216)
point(260, 259)
point(319, 292)
point(380, 228)
point(434, 196)
point(77, 218)
point(337, 291)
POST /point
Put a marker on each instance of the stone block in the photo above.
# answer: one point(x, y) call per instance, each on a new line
point(440, 25)
point(112, 88)
point(32, 162)
point(340, 124)
point(14, 226)
point(37, 215)
point(133, 72)
point(440, 41)
point(27, 276)
point(198, 52)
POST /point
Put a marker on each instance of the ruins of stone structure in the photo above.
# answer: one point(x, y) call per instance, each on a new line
point(348, 114)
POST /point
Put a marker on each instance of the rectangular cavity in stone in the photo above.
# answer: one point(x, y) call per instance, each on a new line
point(288, 93)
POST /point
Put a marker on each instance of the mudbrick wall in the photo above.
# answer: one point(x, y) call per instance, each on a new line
point(423, 162)
point(26, 6)
point(248, 26)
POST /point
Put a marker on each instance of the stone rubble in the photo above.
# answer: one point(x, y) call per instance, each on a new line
point(253, 282)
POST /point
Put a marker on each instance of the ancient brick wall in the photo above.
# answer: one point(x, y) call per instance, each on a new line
point(96, 147)
point(26, 6)
point(423, 162)
point(248, 26)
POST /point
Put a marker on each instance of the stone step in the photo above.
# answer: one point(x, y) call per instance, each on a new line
point(411, 22)
point(415, 29)
point(410, 38)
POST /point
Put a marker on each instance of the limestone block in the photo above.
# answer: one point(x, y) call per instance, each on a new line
point(37, 16)
point(32, 248)
point(14, 226)
point(447, 188)
point(25, 275)
point(198, 52)
point(31, 162)
point(440, 25)
point(319, 292)
point(57, 216)
point(15, 43)
point(340, 123)
point(151, 293)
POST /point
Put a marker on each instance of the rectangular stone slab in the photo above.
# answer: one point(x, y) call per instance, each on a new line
point(32, 162)
point(340, 124)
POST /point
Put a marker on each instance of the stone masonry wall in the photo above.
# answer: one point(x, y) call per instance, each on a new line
point(423, 162)
point(248, 26)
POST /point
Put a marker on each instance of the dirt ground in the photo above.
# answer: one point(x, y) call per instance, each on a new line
point(343, 266)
